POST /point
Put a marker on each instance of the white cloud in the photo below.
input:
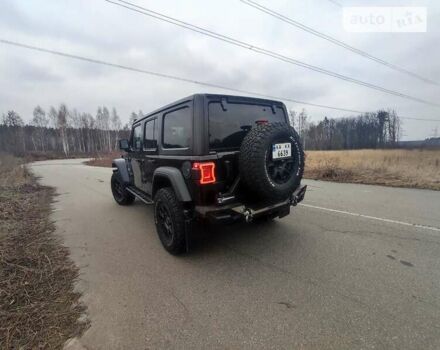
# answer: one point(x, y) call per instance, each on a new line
point(103, 31)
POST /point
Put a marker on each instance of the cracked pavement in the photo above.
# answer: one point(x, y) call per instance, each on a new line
point(315, 279)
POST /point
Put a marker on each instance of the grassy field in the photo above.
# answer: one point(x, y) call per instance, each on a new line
point(394, 167)
point(399, 168)
point(39, 308)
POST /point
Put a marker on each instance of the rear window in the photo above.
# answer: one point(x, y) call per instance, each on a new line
point(177, 128)
point(228, 124)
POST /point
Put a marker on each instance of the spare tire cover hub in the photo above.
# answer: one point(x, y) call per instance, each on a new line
point(271, 160)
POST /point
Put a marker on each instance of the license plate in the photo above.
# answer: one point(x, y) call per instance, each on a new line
point(281, 150)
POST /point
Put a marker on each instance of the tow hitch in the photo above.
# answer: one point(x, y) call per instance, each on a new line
point(298, 195)
point(250, 213)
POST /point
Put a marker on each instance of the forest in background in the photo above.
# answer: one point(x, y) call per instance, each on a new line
point(63, 131)
point(67, 132)
point(381, 129)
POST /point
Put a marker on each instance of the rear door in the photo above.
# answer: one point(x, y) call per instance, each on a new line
point(229, 120)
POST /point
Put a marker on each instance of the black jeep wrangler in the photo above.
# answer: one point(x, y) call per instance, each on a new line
point(215, 157)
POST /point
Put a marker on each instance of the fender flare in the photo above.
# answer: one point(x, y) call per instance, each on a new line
point(175, 177)
point(121, 165)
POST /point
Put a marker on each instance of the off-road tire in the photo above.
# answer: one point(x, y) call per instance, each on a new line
point(256, 153)
point(119, 191)
point(166, 199)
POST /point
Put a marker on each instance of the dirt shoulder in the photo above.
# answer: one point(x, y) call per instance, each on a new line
point(38, 305)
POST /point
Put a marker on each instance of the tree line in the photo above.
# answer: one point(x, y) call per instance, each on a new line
point(63, 131)
point(69, 132)
point(380, 129)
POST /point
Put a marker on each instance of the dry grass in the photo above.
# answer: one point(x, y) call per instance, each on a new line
point(12, 171)
point(39, 308)
point(104, 160)
point(399, 168)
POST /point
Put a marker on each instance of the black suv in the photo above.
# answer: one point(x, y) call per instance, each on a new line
point(215, 157)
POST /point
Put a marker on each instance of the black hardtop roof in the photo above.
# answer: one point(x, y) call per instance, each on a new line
point(210, 96)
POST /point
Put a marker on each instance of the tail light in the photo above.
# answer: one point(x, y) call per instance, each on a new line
point(205, 171)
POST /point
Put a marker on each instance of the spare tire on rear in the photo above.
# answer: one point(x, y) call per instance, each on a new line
point(271, 175)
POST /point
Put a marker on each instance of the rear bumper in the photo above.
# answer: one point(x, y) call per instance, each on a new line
point(238, 212)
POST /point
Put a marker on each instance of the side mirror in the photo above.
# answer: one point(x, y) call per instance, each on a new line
point(124, 145)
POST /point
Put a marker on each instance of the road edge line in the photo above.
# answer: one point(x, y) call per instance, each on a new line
point(391, 221)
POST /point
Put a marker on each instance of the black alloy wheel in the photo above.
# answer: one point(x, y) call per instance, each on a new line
point(170, 220)
point(165, 222)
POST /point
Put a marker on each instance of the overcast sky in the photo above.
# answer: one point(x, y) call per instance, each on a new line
point(104, 31)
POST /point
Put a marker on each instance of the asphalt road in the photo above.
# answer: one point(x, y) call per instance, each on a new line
point(321, 278)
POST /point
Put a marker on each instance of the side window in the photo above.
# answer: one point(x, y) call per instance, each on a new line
point(136, 140)
point(177, 128)
point(150, 135)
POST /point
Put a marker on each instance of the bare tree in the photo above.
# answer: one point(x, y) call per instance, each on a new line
point(133, 117)
point(394, 127)
point(59, 119)
point(292, 116)
point(14, 130)
point(100, 125)
point(12, 119)
point(106, 127)
point(116, 125)
point(302, 123)
point(88, 124)
point(40, 121)
point(39, 118)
